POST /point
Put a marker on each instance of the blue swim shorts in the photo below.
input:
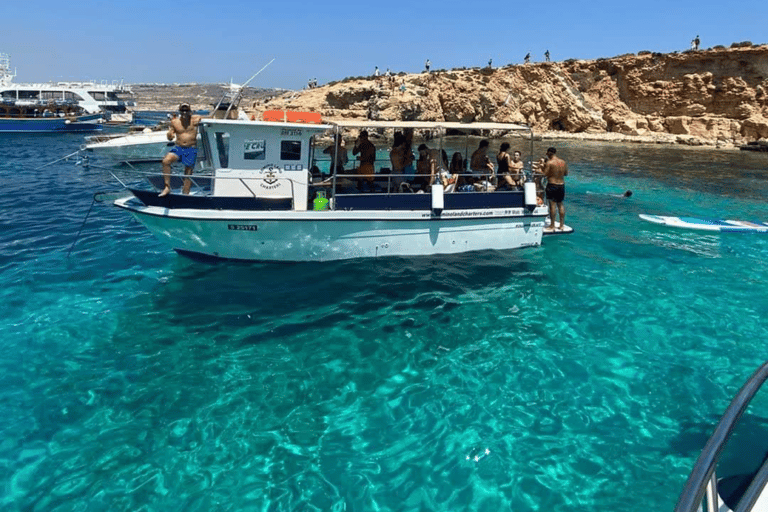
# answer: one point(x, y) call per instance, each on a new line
point(186, 155)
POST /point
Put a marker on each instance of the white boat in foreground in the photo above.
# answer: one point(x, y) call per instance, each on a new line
point(256, 204)
point(744, 489)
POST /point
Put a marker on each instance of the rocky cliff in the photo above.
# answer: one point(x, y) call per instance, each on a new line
point(713, 96)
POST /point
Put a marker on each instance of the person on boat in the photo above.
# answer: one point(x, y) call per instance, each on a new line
point(516, 167)
point(555, 170)
point(401, 158)
point(506, 180)
point(367, 152)
point(426, 167)
point(458, 170)
point(339, 157)
point(479, 163)
point(184, 129)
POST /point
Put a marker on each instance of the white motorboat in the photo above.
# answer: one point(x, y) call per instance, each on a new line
point(259, 200)
point(92, 97)
point(144, 146)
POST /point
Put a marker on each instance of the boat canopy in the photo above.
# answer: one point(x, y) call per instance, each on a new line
point(417, 125)
point(278, 124)
point(431, 125)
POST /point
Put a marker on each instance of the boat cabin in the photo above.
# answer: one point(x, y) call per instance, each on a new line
point(264, 160)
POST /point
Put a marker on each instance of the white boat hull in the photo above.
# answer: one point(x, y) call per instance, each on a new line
point(334, 235)
point(140, 147)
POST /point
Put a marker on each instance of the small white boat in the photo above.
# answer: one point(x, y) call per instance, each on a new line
point(257, 203)
point(146, 146)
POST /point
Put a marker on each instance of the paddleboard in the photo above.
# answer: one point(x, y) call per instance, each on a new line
point(723, 226)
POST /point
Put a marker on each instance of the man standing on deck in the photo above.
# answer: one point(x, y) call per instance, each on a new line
point(367, 152)
point(184, 128)
point(555, 170)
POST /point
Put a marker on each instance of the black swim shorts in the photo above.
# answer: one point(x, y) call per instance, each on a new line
point(555, 192)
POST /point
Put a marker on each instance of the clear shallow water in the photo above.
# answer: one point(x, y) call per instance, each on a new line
point(592, 369)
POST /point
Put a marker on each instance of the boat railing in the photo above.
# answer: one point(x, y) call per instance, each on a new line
point(204, 183)
point(703, 478)
point(393, 182)
point(354, 187)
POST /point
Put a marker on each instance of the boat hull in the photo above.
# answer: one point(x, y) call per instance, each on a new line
point(336, 235)
point(51, 124)
point(141, 147)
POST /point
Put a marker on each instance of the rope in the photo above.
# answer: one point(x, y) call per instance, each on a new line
point(59, 160)
point(77, 237)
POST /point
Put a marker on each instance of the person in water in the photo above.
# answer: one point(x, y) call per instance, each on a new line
point(184, 129)
point(555, 171)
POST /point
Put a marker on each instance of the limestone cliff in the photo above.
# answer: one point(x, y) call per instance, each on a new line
point(718, 95)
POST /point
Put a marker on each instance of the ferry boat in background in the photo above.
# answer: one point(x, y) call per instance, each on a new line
point(263, 199)
point(57, 100)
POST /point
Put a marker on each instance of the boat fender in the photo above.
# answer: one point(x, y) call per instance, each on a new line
point(438, 200)
point(529, 188)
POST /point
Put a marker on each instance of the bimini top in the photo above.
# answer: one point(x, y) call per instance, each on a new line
point(430, 125)
point(417, 125)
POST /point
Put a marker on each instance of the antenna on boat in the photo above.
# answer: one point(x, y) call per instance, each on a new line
point(239, 95)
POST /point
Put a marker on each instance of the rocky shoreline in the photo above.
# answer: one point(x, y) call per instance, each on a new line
point(712, 98)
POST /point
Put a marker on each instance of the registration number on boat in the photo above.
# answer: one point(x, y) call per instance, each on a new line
point(242, 227)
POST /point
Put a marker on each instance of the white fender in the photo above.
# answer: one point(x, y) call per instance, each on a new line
point(438, 202)
point(530, 193)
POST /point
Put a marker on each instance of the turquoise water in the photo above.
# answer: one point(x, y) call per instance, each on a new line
point(585, 373)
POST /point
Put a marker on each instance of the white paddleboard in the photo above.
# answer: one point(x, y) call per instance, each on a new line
point(723, 226)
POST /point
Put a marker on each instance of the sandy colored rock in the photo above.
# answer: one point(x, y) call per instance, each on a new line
point(714, 96)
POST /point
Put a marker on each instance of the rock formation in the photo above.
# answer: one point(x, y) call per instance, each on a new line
point(714, 96)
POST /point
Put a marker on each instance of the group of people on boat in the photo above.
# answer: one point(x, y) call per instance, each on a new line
point(433, 168)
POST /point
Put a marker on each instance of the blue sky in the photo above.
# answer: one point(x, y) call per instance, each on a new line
point(208, 41)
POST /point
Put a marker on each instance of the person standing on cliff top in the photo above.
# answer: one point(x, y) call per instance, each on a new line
point(546, 55)
point(695, 43)
point(555, 171)
point(184, 129)
point(527, 58)
point(426, 65)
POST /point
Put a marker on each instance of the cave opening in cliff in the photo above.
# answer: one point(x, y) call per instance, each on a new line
point(557, 125)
